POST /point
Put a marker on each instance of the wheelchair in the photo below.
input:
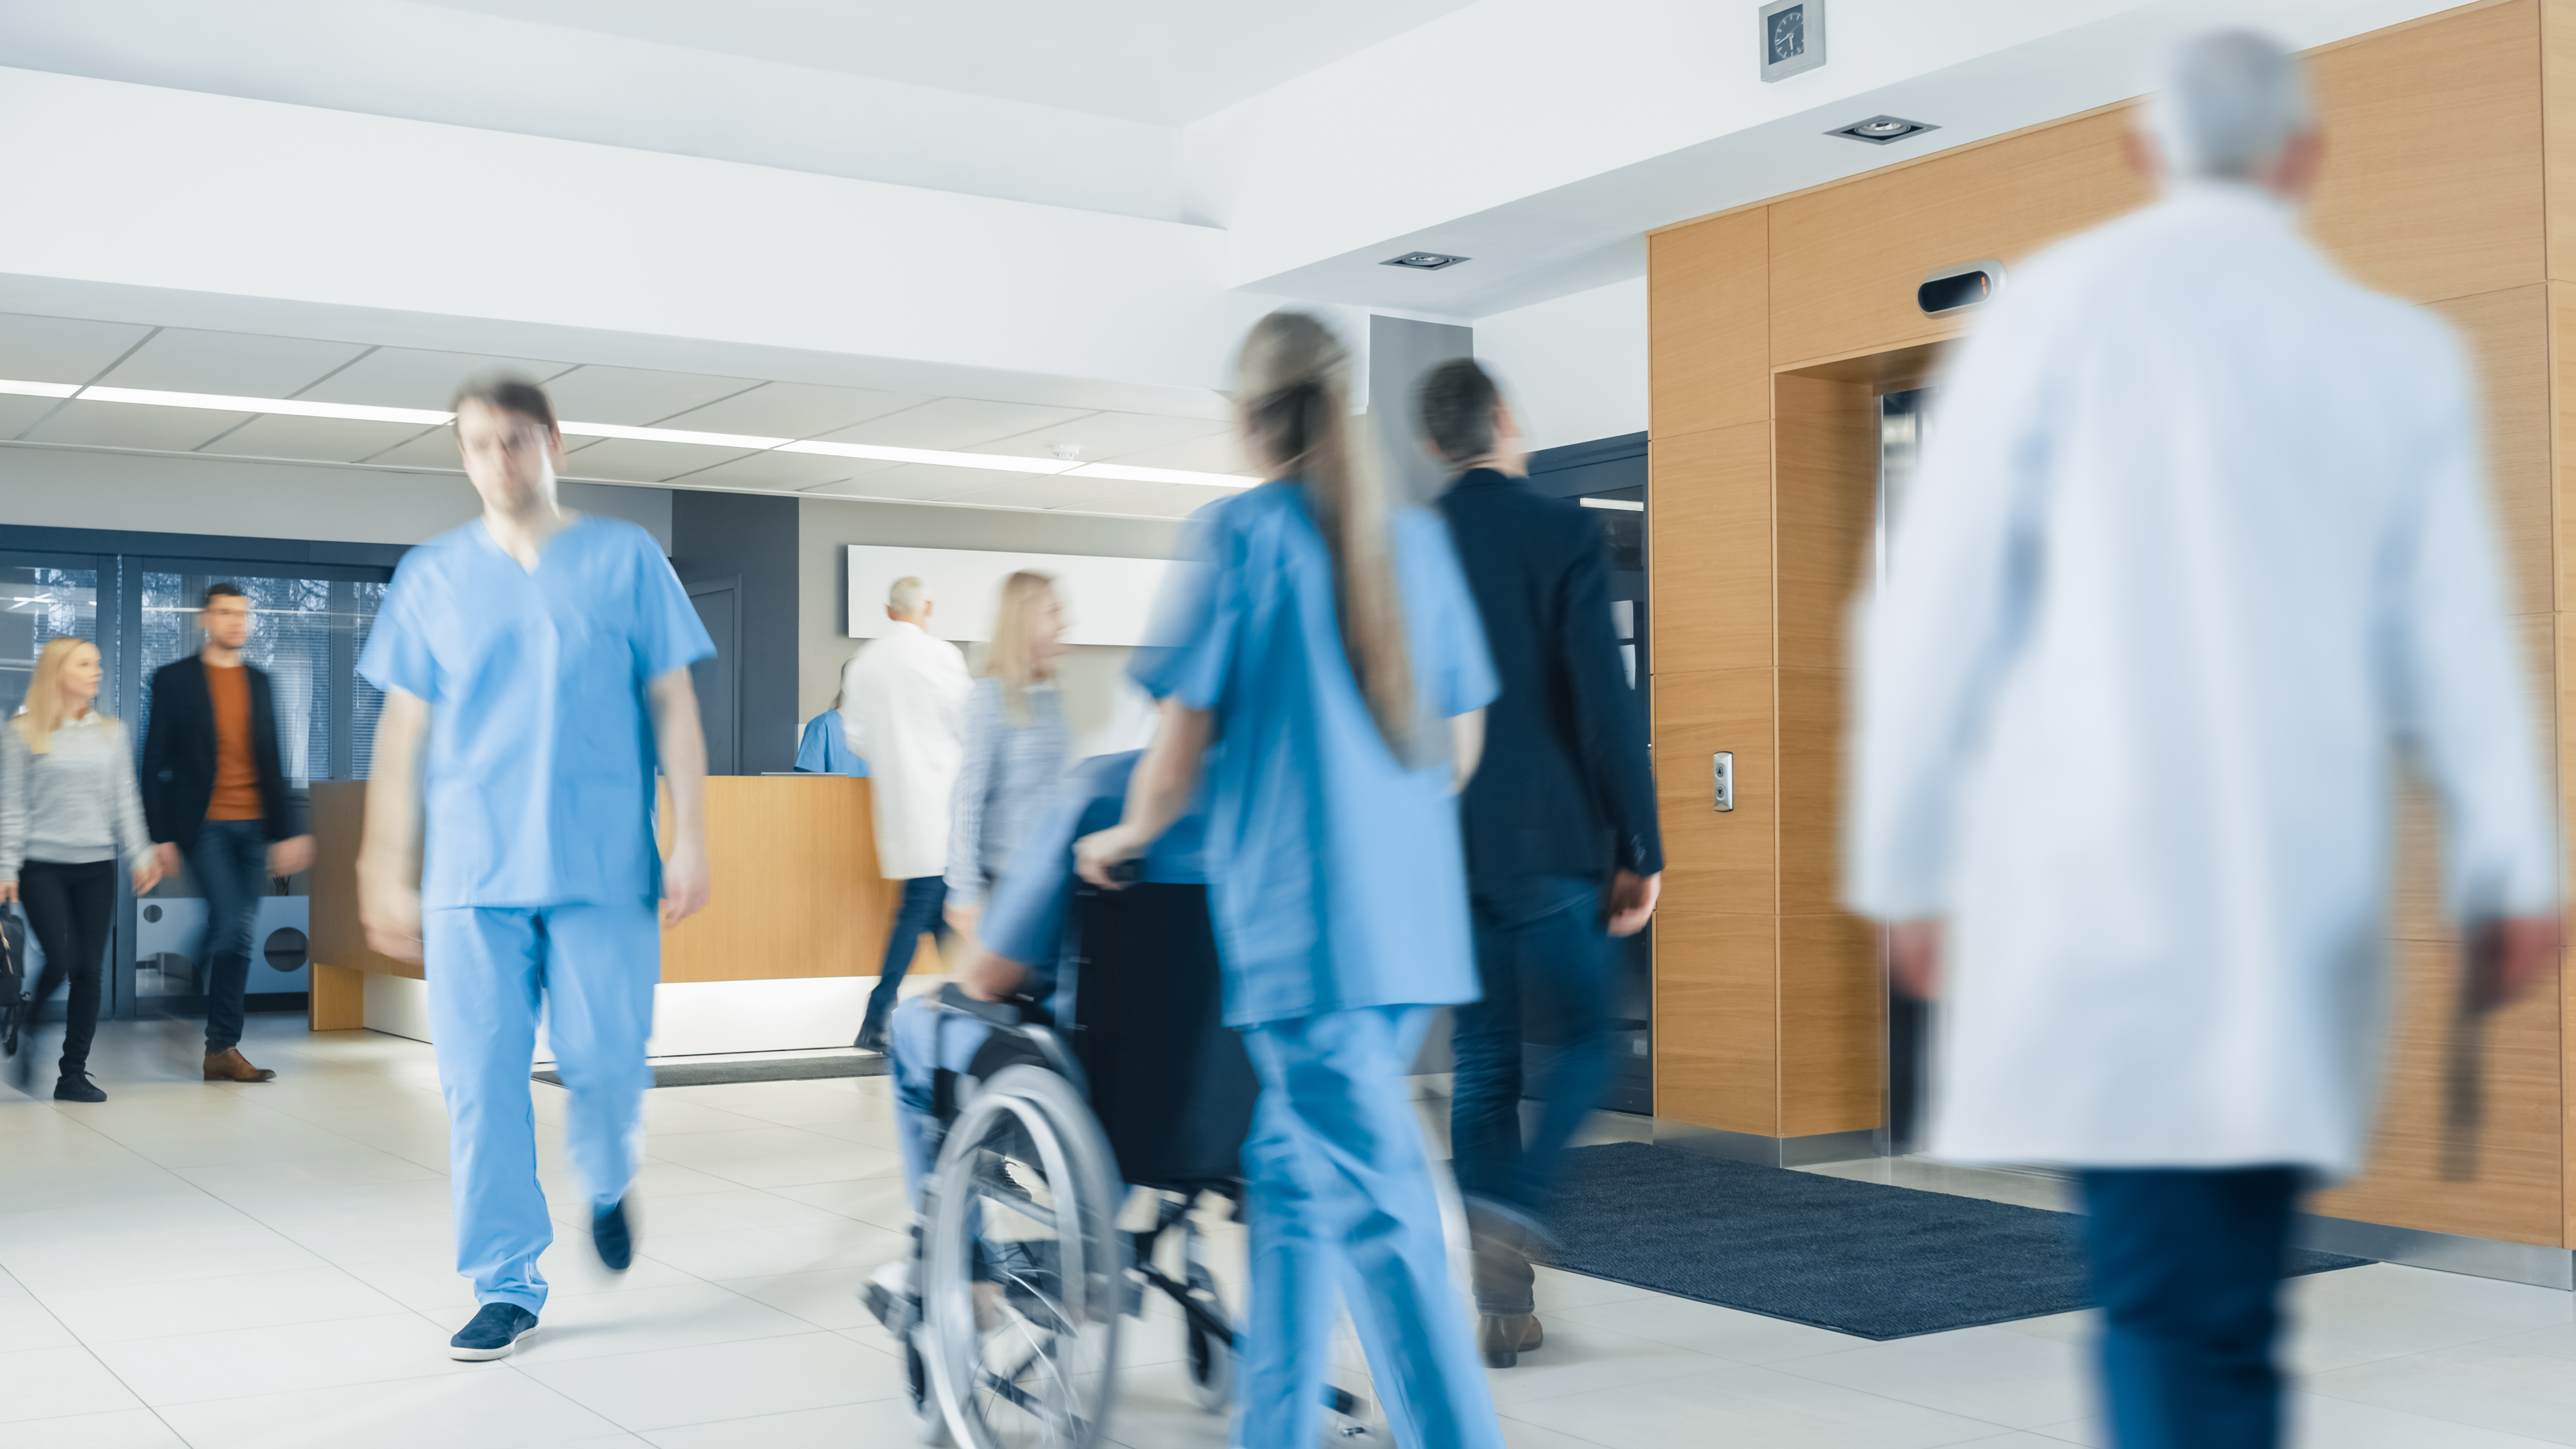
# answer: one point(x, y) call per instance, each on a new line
point(1126, 1084)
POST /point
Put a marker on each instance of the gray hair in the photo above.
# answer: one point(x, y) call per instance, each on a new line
point(2228, 102)
point(907, 594)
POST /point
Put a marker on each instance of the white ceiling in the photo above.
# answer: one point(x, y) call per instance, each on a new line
point(1165, 61)
point(241, 364)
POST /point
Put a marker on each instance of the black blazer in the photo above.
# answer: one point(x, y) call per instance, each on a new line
point(1566, 786)
point(179, 755)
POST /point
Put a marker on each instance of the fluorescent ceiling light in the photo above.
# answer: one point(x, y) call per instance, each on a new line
point(351, 412)
point(668, 435)
point(1624, 505)
point(1161, 475)
point(424, 417)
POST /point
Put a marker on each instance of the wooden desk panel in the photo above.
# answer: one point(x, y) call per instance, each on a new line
point(796, 893)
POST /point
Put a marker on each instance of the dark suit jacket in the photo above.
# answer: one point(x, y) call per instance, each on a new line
point(1566, 786)
point(179, 755)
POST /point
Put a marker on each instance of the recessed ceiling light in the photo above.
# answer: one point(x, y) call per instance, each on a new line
point(40, 389)
point(667, 435)
point(1879, 130)
point(218, 402)
point(1423, 261)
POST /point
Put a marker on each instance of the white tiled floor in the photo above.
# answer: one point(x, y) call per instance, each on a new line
point(268, 1267)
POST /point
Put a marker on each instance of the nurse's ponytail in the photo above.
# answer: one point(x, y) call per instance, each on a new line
point(1293, 378)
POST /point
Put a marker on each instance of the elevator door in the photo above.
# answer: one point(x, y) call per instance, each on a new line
point(1903, 418)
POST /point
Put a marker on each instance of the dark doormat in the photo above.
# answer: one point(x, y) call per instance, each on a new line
point(1856, 1257)
point(767, 1069)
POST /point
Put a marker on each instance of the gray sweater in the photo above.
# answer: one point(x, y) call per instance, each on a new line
point(74, 804)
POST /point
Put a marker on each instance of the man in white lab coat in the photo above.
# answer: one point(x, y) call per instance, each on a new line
point(2199, 547)
point(906, 703)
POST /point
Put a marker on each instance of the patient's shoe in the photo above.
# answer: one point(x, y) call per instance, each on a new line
point(892, 1296)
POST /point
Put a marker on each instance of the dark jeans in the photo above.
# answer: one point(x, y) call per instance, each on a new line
point(924, 896)
point(230, 863)
point(68, 908)
point(1543, 958)
point(2187, 1267)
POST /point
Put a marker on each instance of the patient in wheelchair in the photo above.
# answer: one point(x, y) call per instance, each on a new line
point(1024, 947)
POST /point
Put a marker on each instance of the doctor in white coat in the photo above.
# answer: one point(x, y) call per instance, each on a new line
point(2199, 548)
point(905, 699)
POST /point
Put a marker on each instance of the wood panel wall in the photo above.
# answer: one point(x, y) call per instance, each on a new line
point(1775, 326)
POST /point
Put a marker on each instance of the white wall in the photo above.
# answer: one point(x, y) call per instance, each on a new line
point(1574, 367)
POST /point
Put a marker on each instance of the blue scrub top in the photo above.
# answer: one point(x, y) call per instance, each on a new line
point(825, 748)
point(1336, 873)
point(1024, 917)
point(538, 785)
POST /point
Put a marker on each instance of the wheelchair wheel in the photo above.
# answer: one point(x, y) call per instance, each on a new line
point(1209, 1357)
point(1024, 1271)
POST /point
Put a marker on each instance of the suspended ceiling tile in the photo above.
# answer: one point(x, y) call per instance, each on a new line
point(61, 349)
point(792, 410)
point(1218, 452)
point(628, 461)
point(1103, 436)
point(636, 396)
point(410, 377)
point(17, 414)
point(334, 440)
point(1164, 500)
point(1043, 491)
point(238, 364)
point(954, 422)
point(131, 425)
point(920, 482)
point(779, 470)
point(434, 448)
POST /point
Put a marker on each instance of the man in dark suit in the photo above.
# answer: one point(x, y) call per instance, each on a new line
point(1562, 848)
point(214, 792)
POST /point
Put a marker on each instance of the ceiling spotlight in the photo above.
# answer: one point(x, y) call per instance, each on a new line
point(1879, 130)
point(1423, 261)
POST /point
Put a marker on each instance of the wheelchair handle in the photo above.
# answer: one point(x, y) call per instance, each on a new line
point(999, 1013)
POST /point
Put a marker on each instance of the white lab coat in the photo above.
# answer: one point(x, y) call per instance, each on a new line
point(2199, 544)
point(906, 704)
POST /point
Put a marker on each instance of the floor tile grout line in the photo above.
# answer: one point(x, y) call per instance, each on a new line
point(104, 1366)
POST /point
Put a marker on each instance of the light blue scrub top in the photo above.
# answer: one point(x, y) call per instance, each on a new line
point(538, 786)
point(1336, 873)
point(824, 748)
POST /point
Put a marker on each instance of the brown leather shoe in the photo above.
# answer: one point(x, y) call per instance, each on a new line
point(1501, 1339)
point(229, 1065)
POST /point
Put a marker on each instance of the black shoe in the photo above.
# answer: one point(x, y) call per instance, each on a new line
point(77, 1087)
point(610, 1234)
point(872, 1037)
point(496, 1329)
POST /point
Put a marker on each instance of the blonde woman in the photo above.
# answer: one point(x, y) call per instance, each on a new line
point(1016, 743)
point(69, 812)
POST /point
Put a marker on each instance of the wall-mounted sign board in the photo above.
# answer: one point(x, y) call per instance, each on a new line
point(1106, 600)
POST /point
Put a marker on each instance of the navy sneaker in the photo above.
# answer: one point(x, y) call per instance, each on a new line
point(496, 1329)
point(77, 1087)
point(614, 1239)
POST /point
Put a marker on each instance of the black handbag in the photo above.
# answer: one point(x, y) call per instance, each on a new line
point(13, 978)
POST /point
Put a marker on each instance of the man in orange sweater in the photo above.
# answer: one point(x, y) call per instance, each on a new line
point(214, 791)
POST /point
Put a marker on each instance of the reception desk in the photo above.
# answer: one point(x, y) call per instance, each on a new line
point(781, 958)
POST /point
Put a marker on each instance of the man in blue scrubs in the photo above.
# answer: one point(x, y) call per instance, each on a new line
point(535, 665)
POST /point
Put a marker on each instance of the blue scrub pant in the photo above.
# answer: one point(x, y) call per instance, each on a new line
point(1546, 964)
point(592, 969)
point(920, 1044)
point(2187, 1267)
point(1340, 1197)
